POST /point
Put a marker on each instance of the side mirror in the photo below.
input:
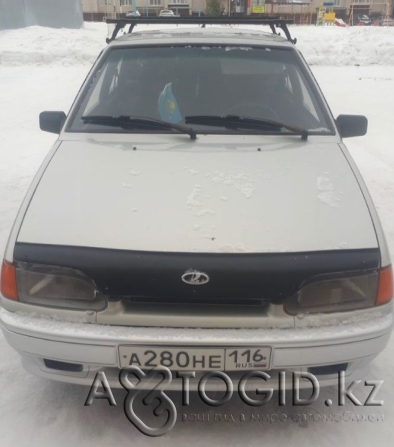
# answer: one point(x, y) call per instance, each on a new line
point(352, 125)
point(52, 121)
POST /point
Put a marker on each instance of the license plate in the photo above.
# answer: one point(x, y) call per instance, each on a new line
point(196, 359)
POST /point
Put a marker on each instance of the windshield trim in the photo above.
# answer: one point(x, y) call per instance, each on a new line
point(212, 131)
point(301, 65)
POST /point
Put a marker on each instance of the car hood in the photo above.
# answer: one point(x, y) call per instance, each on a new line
point(283, 195)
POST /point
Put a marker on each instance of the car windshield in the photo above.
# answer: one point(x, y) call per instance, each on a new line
point(170, 83)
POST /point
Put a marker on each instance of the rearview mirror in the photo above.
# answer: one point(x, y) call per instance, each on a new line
point(52, 121)
point(352, 125)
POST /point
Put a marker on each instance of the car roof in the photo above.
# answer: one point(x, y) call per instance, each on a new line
point(210, 34)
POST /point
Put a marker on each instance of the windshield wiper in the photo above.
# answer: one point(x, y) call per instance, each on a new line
point(137, 122)
point(244, 122)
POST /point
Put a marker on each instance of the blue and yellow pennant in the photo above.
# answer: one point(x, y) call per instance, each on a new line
point(168, 106)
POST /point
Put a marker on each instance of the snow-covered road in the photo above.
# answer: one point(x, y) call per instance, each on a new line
point(36, 412)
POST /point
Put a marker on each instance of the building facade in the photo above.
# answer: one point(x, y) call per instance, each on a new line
point(109, 8)
point(303, 11)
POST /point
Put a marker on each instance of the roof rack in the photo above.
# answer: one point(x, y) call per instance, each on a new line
point(273, 22)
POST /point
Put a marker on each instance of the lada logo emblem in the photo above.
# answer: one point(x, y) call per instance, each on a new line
point(195, 278)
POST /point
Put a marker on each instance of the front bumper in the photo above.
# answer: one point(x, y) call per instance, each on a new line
point(354, 342)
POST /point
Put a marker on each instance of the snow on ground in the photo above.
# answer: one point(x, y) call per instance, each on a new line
point(36, 412)
point(331, 45)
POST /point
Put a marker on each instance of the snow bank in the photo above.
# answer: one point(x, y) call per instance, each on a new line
point(329, 45)
point(36, 45)
point(333, 45)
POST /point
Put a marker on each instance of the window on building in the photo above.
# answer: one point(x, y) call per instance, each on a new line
point(106, 2)
point(155, 2)
point(126, 2)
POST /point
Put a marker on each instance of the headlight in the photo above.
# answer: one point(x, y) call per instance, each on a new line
point(323, 294)
point(57, 287)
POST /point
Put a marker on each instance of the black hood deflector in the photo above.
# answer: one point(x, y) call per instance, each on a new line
point(249, 276)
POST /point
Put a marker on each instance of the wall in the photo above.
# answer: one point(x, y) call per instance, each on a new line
point(90, 5)
point(52, 13)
